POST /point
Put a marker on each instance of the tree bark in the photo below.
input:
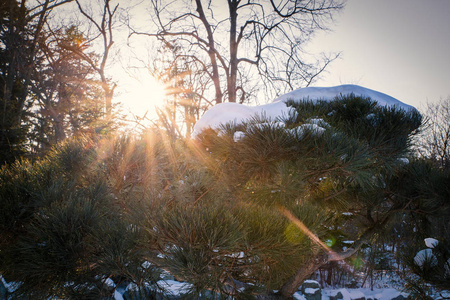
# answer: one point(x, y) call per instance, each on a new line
point(232, 76)
point(60, 133)
point(310, 266)
point(212, 55)
point(318, 259)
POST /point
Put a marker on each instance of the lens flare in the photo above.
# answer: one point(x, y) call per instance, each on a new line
point(293, 234)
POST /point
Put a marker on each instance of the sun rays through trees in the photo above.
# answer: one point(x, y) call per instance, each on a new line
point(202, 192)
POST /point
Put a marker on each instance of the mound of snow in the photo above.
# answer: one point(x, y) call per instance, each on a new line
point(431, 242)
point(425, 255)
point(233, 112)
point(329, 93)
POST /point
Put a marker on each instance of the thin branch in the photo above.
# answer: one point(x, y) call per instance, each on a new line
point(47, 7)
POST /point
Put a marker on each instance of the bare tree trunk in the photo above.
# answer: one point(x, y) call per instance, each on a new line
point(58, 124)
point(259, 26)
point(232, 76)
point(325, 255)
point(60, 133)
point(109, 93)
point(105, 29)
point(8, 87)
point(212, 55)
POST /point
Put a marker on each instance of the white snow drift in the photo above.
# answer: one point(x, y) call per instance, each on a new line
point(233, 112)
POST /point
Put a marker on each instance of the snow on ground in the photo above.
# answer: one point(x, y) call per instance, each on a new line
point(233, 112)
point(174, 287)
point(348, 294)
point(177, 289)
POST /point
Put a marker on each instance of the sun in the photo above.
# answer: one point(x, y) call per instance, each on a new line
point(141, 94)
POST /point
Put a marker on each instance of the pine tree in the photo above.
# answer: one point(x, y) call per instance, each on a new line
point(335, 158)
point(241, 211)
point(429, 185)
point(65, 227)
point(16, 32)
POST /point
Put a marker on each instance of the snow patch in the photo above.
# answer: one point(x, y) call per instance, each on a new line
point(345, 294)
point(329, 93)
point(348, 294)
point(109, 283)
point(311, 291)
point(314, 129)
point(370, 116)
point(298, 296)
point(425, 255)
point(318, 121)
point(10, 286)
point(236, 255)
point(431, 242)
point(403, 160)
point(118, 295)
point(382, 294)
point(238, 113)
point(175, 288)
point(310, 281)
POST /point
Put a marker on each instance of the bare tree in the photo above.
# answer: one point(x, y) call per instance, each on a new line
point(234, 40)
point(185, 87)
point(435, 139)
point(104, 31)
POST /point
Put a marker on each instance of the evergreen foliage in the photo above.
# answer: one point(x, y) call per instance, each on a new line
point(337, 157)
point(429, 186)
point(15, 32)
point(63, 230)
point(69, 96)
point(241, 211)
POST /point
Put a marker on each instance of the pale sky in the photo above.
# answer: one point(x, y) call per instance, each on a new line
point(398, 47)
